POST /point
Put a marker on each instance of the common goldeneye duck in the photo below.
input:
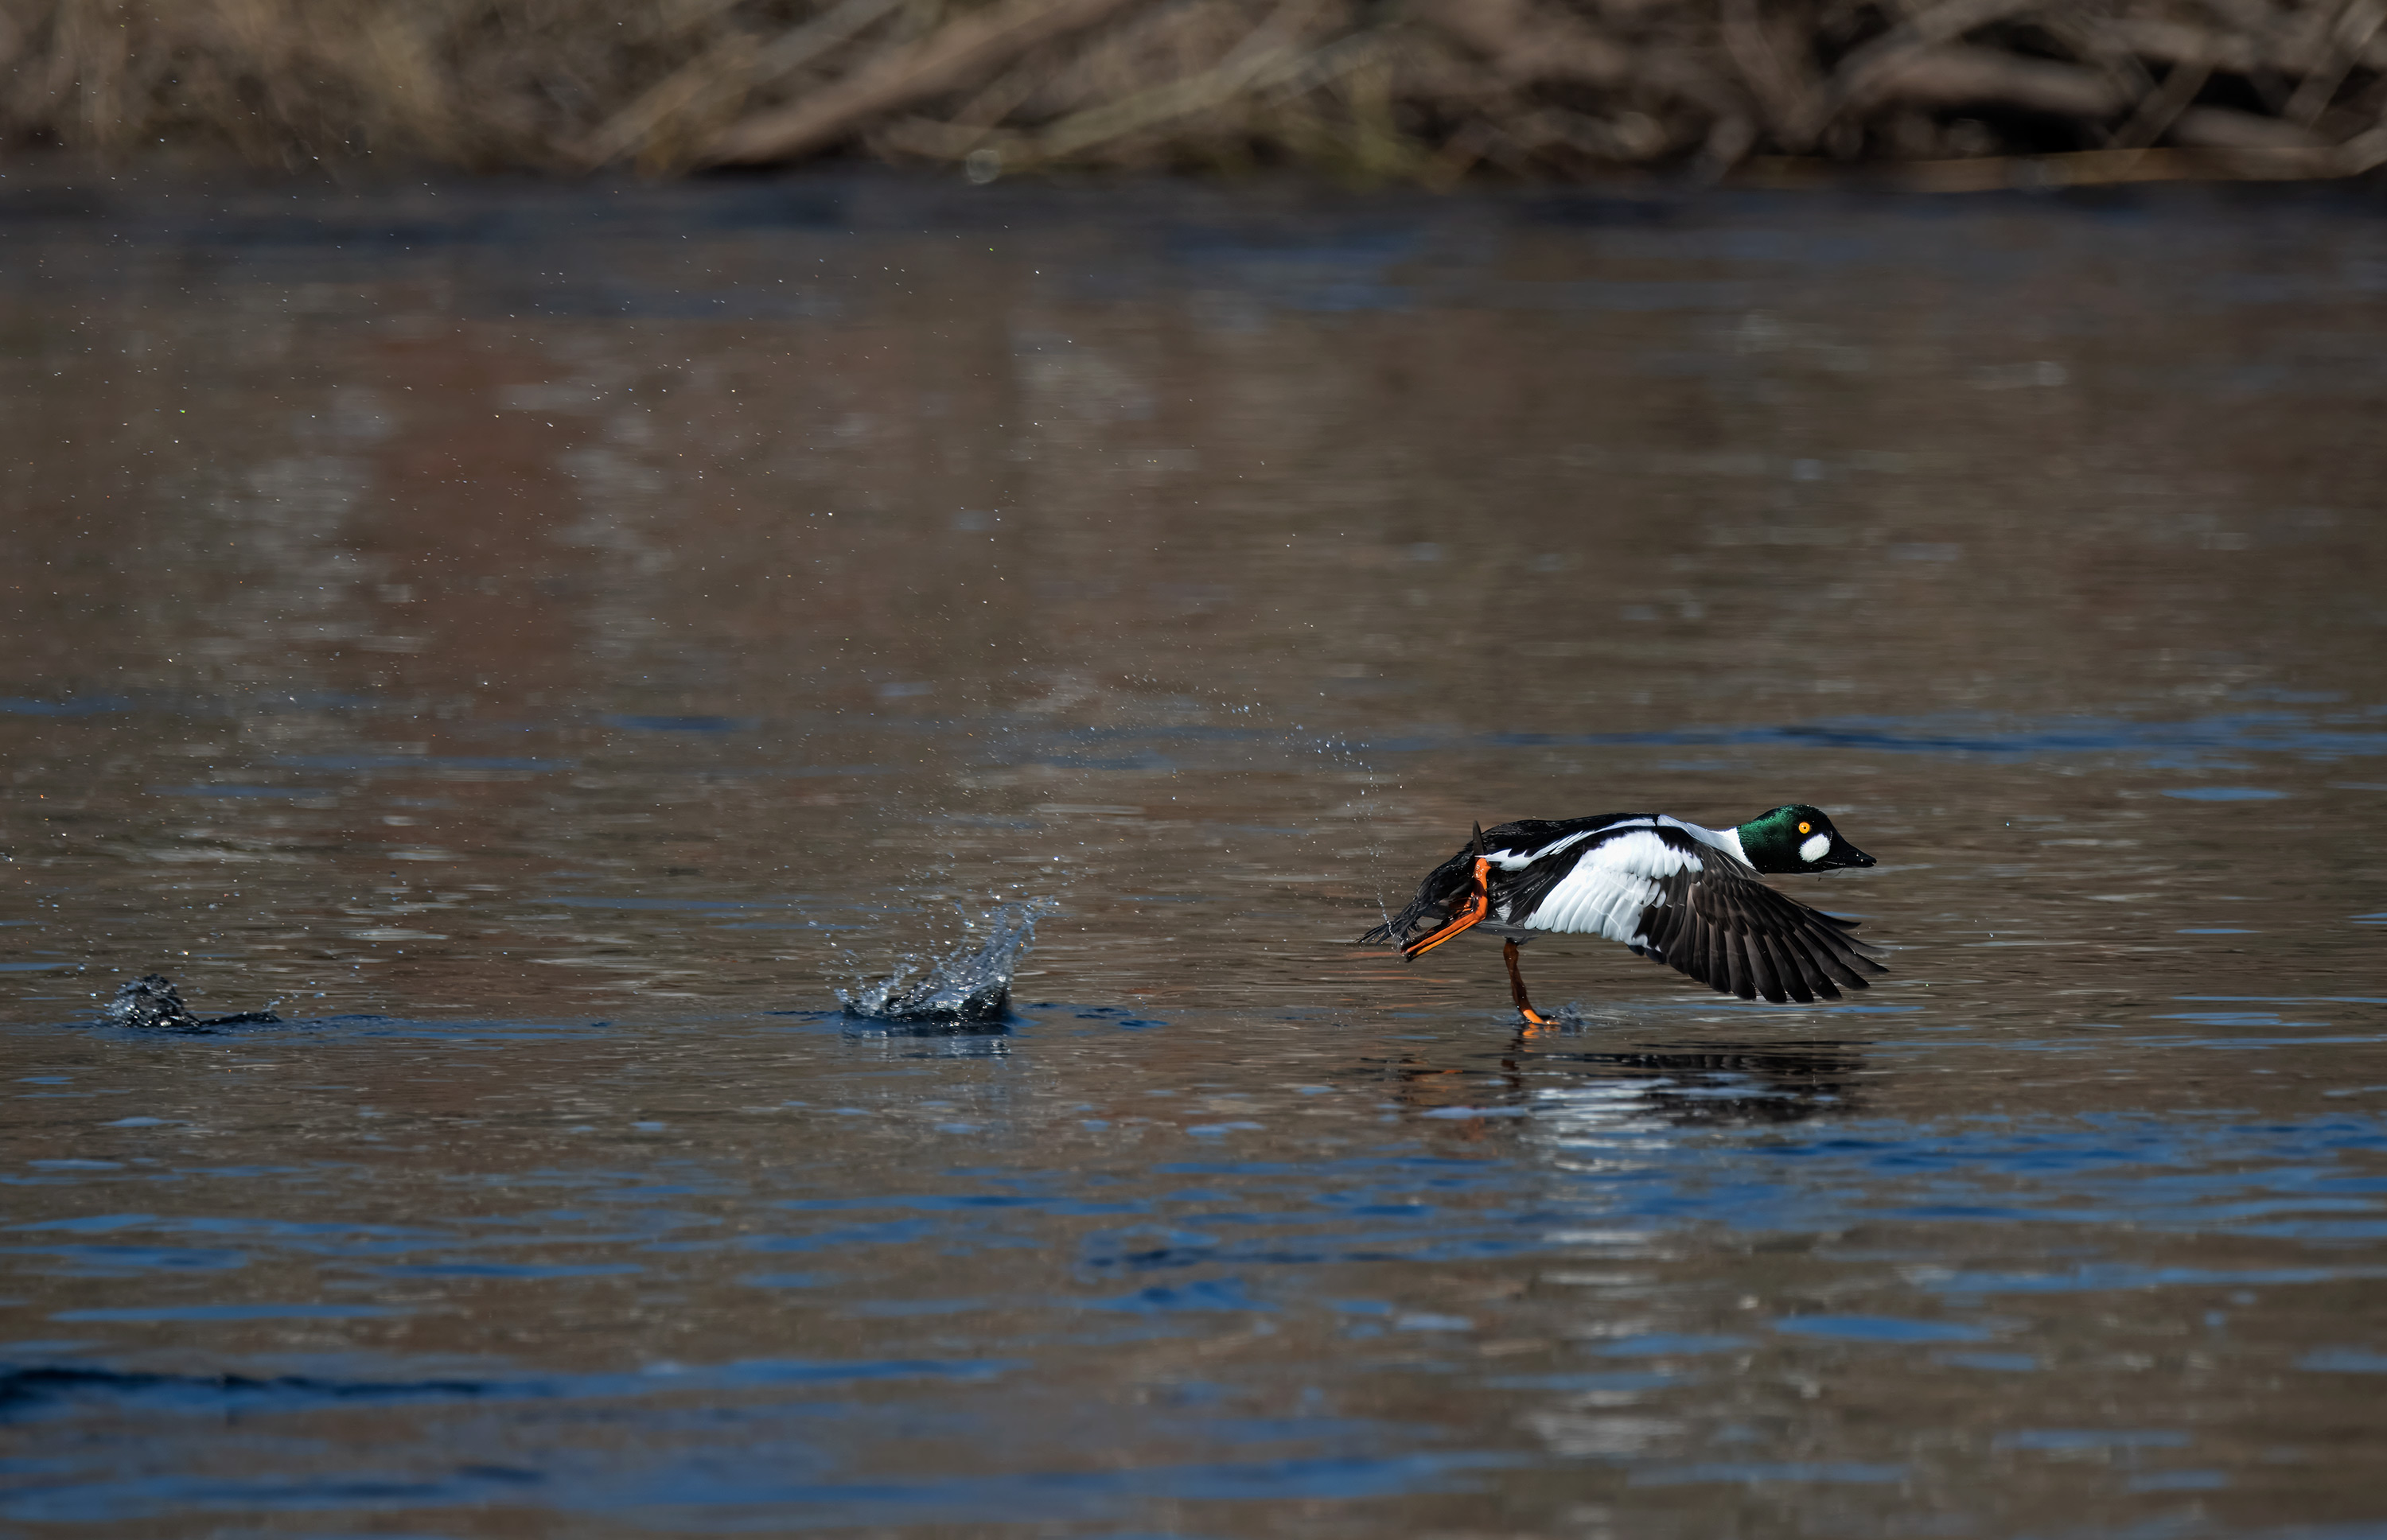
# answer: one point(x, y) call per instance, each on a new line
point(1683, 895)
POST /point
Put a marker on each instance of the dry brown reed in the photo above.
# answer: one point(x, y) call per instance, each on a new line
point(1953, 94)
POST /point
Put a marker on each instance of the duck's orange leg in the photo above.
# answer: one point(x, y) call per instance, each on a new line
point(1517, 988)
point(1478, 905)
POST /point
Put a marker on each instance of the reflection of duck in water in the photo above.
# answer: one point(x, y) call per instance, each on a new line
point(1717, 1083)
point(1543, 1089)
point(1683, 895)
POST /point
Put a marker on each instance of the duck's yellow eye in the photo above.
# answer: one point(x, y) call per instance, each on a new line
point(1805, 827)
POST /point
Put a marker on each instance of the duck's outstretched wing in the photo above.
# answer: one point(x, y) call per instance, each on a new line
point(1730, 931)
point(1672, 896)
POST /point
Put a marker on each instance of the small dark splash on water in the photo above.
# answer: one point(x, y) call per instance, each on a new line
point(967, 985)
point(152, 1004)
point(27, 1390)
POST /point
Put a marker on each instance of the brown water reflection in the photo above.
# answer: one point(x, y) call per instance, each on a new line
point(468, 614)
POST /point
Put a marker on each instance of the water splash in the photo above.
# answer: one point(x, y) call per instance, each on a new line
point(152, 1004)
point(966, 985)
point(1573, 1017)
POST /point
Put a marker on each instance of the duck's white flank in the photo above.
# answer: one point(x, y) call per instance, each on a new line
point(1608, 890)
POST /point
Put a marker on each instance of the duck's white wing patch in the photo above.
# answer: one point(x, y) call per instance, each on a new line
point(1611, 885)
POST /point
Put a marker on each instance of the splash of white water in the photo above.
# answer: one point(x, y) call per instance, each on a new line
point(966, 985)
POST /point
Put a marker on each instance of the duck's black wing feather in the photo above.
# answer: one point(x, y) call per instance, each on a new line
point(1724, 926)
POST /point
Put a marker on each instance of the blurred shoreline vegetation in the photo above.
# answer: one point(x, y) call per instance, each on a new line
point(1951, 95)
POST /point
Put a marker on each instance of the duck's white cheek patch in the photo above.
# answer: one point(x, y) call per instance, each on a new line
point(1814, 849)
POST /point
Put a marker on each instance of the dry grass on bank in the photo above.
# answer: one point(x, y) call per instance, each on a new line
point(1957, 93)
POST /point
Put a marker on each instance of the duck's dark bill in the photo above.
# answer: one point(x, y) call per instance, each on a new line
point(1842, 854)
point(1467, 918)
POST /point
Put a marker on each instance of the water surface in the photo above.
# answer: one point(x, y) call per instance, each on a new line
point(543, 641)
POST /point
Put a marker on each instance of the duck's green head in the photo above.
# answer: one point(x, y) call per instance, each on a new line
point(1797, 839)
